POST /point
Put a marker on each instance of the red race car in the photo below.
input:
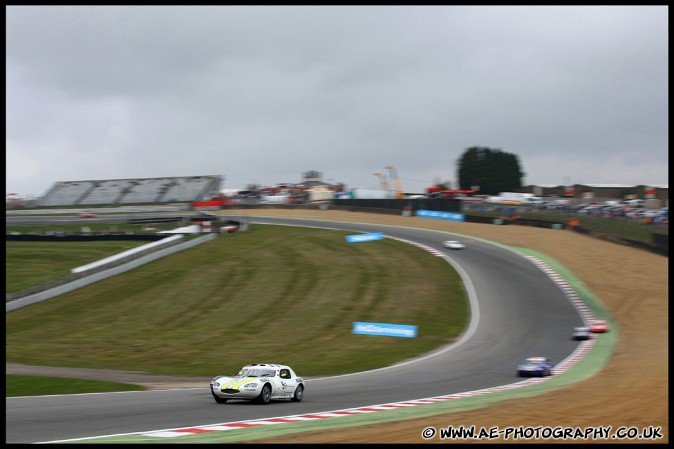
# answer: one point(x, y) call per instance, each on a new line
point(599, 326)
point(86, 215)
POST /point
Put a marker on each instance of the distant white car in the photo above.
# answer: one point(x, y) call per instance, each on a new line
point(260, 382)
point(453, 244)
point(582, 333)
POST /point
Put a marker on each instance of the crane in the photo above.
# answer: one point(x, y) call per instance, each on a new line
point(393, 174)
point(382, 181)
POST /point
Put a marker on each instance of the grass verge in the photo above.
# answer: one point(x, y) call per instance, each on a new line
point(28, 264)
point(16, 385)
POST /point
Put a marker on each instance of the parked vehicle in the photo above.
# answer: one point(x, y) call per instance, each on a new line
point(634, 203)
point(513, 198)
point(533, 201)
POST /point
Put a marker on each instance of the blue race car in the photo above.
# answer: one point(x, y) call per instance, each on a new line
point(535, 366)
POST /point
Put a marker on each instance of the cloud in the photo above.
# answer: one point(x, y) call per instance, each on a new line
point(261, 94)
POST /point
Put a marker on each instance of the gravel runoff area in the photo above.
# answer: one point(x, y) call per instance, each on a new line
point(631, 391)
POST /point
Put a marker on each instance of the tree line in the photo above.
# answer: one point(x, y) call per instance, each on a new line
point(492, 170)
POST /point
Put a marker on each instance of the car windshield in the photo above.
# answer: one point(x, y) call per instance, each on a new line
point(534, 360)
point(257, 372)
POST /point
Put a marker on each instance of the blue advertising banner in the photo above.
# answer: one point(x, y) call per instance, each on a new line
point(389, 330)
point(365, 237)
point(453, 216)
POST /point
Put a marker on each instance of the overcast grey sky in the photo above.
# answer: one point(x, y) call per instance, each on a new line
point(261, 94)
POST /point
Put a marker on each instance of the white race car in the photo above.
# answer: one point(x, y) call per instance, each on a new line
point(260, 382)
point(453, 244)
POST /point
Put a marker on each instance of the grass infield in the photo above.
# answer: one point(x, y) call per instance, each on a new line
point(271, 294)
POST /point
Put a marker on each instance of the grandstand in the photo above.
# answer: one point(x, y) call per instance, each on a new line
point(131, 191)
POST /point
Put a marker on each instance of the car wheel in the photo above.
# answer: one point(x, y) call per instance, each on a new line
point(218, 399)
point(265, 395)
point(299, 394)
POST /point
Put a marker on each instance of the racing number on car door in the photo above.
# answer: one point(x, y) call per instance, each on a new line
point(288, 384)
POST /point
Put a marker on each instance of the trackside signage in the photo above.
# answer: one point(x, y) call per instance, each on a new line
point(365, 237)
point(453, 216)
point(389, 330)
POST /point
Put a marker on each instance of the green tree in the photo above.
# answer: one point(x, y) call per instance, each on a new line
point(492, 169)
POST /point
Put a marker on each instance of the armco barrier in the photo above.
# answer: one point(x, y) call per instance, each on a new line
point(132, 252)
point(101, 273)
